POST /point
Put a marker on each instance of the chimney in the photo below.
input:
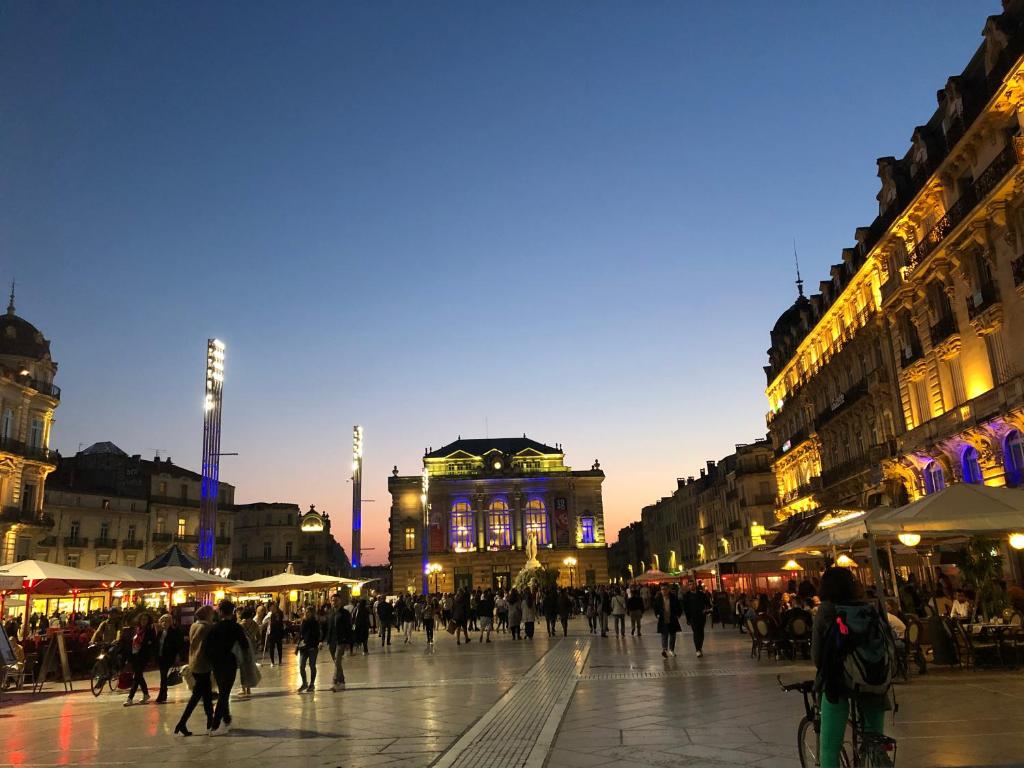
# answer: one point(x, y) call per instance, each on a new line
point(702, 472)
point(711, 467)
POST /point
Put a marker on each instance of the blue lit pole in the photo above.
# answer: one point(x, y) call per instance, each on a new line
point(357, 500)
point(211, 452)
point(425, 503)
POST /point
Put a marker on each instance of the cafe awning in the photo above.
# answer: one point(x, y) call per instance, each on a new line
point(184, 577)
point(129, 577)
point(962, 509)
point(285, 582)
point(42, 578)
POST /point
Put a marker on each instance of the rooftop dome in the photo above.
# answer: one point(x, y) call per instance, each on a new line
point(791, 317)
point(20, 338)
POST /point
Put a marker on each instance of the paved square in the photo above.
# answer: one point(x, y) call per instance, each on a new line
point(588, 701)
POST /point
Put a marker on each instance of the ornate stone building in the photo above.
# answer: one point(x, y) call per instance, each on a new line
point(105, 506)
point(726, 509)
point(271, 536)
point(28, 398)
point(485, 498)
point(903, 373)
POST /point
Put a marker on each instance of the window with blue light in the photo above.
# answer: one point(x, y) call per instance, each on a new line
point(461, 528)
point(587, 530)
point(536, 522)
point(934, 478)
point(970, 465)
point(1013, 458)
point(499, 525)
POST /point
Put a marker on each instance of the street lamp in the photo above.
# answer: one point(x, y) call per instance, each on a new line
point(433, 569)
point(570, 562)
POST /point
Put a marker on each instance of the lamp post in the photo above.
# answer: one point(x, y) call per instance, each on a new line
point(570, 562)
point(433, 569)
point(357, 499)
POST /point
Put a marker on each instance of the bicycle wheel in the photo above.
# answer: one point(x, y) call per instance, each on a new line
point(807, 743)
point(99, 677)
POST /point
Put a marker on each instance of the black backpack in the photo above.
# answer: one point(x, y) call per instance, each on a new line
point(860, 652)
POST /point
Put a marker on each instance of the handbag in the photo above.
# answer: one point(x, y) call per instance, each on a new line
point(174, 677)
point(186, 675)
point(124, 680)
point(452, 626)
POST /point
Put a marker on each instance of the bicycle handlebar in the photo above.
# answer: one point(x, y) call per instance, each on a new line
point(804, 687)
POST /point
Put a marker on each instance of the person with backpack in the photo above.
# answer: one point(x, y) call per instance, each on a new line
point(853, 651)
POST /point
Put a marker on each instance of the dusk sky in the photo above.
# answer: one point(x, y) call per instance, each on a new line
point(569, 219)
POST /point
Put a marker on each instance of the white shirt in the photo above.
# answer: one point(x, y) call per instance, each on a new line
point(960, 610)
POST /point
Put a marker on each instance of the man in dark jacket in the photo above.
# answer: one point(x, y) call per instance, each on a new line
point(386, 616)
point(668, 610)
point(219, 648)
point(339, 634)
point(606, 610)
point(697, 606)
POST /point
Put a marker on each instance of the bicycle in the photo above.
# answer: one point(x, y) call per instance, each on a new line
point(869, 750)
point(106, 669)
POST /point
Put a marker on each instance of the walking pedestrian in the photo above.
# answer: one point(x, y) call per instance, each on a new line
point(635, 607)
point(220, 644)
point(501, 611)
point(199, 664)
point(550, 608)
point(308, 648)
point(606, 610)
point(386, 617)
point(275, 634)
point(564, 610)
point(619, 612)
point(143, 643)
point(485, 615)
point(591, 606)
point(515, 613)
point(697, 606)
point(430, 610)
point(339, 634)
point(169, 643)
point(460, 615)
point(361, 626)
point(529, 613)
point(668, 610)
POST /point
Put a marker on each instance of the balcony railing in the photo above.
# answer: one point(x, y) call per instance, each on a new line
point(844, 401)
point(794, 440)
point(943, 329)
point(163, 537)
point(104, 543)
point(26, 516)
point(982, 300)
point(845, 470)
point(76, 542)
point(174, 501)
point(957, 212)
point(132, 544)
point(21, 448)
point(47, 388)
point(48, 541)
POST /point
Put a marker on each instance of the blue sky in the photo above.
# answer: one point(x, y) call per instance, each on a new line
point(573, 220)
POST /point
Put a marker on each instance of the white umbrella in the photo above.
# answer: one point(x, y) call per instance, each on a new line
point(41, 577)
point(130, 576)
point(959, 510)
point(285, 582)
point(184, 577)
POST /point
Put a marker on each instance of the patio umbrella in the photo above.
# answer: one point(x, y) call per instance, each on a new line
point(41, 577)
point(285, 582)
point(959, 510)
point(651, 576)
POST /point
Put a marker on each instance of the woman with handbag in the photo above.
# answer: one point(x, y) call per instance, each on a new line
point(200, 669)
point(143, 642)
point(169, 642)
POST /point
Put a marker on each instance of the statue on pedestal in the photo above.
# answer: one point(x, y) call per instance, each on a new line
point(531, 553)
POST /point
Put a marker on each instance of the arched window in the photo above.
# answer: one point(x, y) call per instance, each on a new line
point(1013, 457)
point(971, 467)
point(934, 479)
point(462, 533)
point(537, 522)
point(499, 525)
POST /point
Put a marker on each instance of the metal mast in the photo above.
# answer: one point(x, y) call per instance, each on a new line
point(211, 452)
point(357, 496)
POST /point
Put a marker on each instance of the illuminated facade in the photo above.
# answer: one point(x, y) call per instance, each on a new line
point(904, 373)
point(484, 499)
point(726, 509)
point(108, 507)
point(270, 536)
point(28, 399)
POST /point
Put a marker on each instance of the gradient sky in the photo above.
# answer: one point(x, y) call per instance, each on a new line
point(569, 219)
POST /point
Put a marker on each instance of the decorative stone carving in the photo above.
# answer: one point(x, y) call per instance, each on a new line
point(949, 348)
point(989, 321)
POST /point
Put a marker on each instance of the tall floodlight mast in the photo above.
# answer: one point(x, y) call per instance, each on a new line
point(211, 452)
point(357, 494)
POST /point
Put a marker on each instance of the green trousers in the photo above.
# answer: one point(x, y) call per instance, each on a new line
point(833, 727)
